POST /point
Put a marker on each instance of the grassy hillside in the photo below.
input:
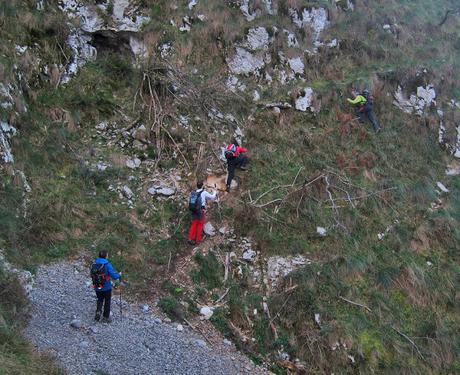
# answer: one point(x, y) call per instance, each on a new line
point(386, 306)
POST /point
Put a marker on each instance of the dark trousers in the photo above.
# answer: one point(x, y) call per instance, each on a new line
point(237, 162)
point(369, 113)
point(104, 298)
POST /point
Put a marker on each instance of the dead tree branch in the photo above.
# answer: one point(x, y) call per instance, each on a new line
point(355, 303)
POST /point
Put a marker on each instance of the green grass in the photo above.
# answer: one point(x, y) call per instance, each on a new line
point(71, 211)
point(16, 355)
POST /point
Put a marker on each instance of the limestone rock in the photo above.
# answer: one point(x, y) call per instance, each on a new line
point(76, 323)
point(244, 62)
point(278, 267)
point(314, 18)
point(321, 231)
point(249, 255)
point(206, 312)
point(442, 187)
point(133, 163)
point(209, 229)
point(257, 39)
point(127, 192)
point(297, 65)
point(305, 99)
point(416, 103)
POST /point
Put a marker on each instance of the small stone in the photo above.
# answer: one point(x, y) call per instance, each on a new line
point(206, 312)
point(76, 323)
point(157, 320)
point(249, 255)
point(84, 344)
point(318, 319)
point(93, 330)
point(321, 231)
point(180, 327)
point(133, 163)
point(227, 342)
point(127, 192)
point(166, 191)
point(145, 308)
point(442, 187)
point(223, 230)
point(209, 229)
point(201, 343)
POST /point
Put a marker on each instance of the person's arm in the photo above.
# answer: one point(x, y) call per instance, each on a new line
point(209, 196)
point(111, 271)
point(357, 100)
point(241, 149)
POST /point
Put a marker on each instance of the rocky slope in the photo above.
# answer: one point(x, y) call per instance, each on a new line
point(337, 252)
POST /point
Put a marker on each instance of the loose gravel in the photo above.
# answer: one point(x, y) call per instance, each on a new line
point(62, 324)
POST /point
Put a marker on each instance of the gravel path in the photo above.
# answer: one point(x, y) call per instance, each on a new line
point(138, 344)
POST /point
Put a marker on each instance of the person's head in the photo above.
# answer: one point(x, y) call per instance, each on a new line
point(366, 92)
point(199, 184)
point(235, 142)
point(103, 254)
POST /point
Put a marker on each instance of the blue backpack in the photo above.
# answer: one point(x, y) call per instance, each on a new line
point(194, 203)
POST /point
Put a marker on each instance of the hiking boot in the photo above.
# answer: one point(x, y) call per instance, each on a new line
point(192, 243)
point(378, 130)
point(244, 167)
point(227, 189)
point(97, 317)
point(107, 320)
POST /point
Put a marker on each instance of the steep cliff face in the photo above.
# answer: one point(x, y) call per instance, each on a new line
point(336, 252)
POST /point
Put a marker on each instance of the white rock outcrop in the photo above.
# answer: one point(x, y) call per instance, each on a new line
point(278, 267)
point(297, 65)
point(244, 62)
point(6, 133)
point(315, 18)
point(257, 39)
point(416, 103)
point(305, 100)
point(122, 18)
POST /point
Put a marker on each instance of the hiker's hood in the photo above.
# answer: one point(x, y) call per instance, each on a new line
point(101, 261)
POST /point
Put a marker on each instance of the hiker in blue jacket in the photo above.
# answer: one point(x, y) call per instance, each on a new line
point(102, 272)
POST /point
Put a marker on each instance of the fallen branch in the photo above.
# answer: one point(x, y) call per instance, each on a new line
point(222, 296)
point(355, 303)
point(411, 341)
point(227, 261)
point(175, 144)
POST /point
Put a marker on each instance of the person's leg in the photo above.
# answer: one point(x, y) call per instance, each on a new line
point(107, 297)
point(199, 229)
point(360, 115)
point(99, 303)
point(231, 173)
point(192, 232)
point(242, 161)
point(372, 119)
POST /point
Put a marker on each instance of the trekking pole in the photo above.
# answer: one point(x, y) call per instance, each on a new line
point(121, 303)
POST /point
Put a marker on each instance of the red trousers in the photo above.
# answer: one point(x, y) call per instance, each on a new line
point(196, 228)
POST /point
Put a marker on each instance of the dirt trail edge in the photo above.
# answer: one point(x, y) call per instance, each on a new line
point(138, 344)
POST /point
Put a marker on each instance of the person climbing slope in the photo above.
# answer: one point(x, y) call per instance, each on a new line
point(364, 107)
point(197, 205)
point(102, 272)
point(234, 154)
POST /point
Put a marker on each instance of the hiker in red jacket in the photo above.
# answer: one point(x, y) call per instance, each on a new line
point(234, 154)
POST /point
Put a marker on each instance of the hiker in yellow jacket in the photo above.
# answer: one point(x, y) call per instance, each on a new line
point(364, 107)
